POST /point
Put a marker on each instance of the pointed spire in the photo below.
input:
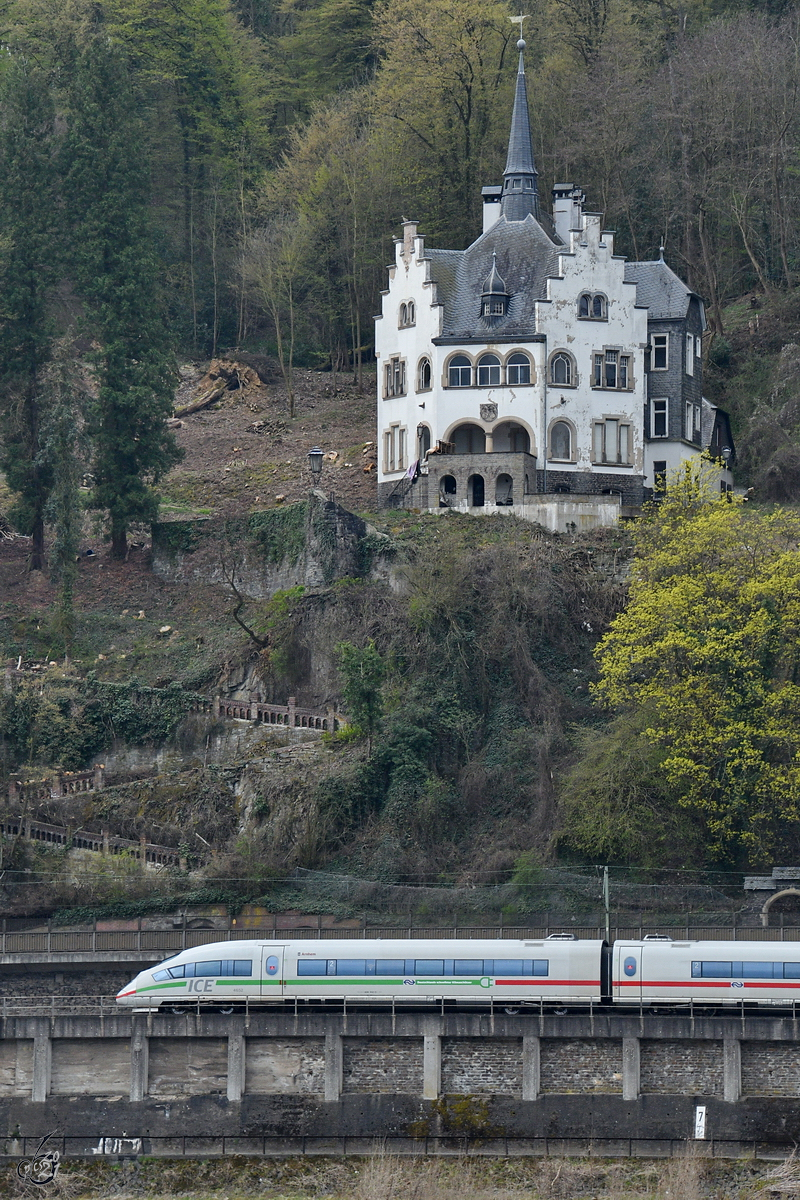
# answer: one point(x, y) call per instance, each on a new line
point(494, 284)
point(520, 195)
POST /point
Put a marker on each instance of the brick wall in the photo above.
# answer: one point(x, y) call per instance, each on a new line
point(285, 1065)
point(471, 1065)
point(682, 1068)
point(581, 1065)
point(770, 1069)
point(381, 1065)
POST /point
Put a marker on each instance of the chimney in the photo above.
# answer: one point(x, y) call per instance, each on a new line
point(567, 209)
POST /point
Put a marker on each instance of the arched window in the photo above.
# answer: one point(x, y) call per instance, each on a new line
point(423, 441)
point(406, 314)
point(518, 370)
point(488, 370)
point(593, 306)
point(459, 373)
point(562, 370)
point(424, 375)
point(561, 441)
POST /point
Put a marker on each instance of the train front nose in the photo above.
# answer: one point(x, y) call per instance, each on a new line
point(127, 994)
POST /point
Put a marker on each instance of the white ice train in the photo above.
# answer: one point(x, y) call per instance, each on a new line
point(559, 969)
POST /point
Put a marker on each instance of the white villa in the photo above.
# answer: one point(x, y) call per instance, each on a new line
point(538, 372)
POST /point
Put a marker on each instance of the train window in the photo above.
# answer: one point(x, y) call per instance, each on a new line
point(468, 966)
point(312, 966)
point(429, 966)
point(238, 966)
point(745, 970)
point(541, 966)
point(354, 966)
point(160, 974)
point(758, 970)
point(712, 970)
point(181, 971)
point(212, 967)
point(390, 966)
point(510, 966)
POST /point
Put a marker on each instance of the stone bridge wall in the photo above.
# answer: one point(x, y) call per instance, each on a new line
point(602, 1082)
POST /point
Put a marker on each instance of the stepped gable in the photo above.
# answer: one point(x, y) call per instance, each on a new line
point(526, 256)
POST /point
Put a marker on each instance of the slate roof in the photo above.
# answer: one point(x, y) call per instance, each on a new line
point(659, 288)
point(526, 256)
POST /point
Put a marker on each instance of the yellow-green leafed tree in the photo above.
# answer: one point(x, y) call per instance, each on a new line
point(709, 646)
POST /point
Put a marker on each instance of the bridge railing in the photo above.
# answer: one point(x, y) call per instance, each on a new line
point(169, 941)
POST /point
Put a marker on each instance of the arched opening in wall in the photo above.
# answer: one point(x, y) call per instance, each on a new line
point(447, 491)
point(423, 441)
point(468, 439)
point(476, 491)
point(504, 491)
point(782, 909)
point(509, 437)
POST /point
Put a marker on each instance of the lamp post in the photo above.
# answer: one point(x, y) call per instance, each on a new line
point(315, 463)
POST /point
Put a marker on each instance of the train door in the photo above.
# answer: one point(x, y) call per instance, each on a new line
point(272, 977)
point(627, 972)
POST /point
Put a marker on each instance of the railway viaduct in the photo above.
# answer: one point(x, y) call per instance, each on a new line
point(595, 1082)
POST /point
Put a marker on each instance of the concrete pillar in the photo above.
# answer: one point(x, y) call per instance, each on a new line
point(140, 1057)
point(333, 1066)
point(431, 1067)
point(489, 443)
point(531, 1068)
point(290, 708)
point(99, 776)
point(630, 1068)
point(236, 1066)
point(143, 854)
point(42, 1058)
point(732, 1069)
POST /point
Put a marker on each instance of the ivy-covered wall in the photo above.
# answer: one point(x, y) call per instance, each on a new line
point(311, 544)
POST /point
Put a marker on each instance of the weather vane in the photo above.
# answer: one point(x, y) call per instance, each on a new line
point(518, 21)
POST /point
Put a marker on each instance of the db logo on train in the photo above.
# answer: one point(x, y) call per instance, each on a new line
point(629, 966)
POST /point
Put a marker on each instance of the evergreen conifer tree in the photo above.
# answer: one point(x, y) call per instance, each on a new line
point(63, 447)
point(28, 264)
point(115, 267)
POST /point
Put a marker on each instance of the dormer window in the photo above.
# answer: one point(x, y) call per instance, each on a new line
point(495, 298)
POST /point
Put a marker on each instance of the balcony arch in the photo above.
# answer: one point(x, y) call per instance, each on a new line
point(468, 439)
